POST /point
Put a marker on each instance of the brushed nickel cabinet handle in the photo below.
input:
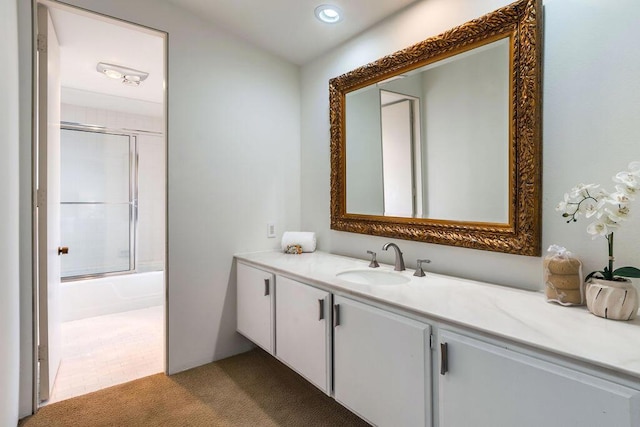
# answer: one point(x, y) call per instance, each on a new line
point(444, 358)
point(266, 287)
point(336, 315)
point(321, 309)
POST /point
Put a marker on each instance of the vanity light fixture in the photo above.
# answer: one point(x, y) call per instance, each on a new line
point(328, 13)
point(127, 76)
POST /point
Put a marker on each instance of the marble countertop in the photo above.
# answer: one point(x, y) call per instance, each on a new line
point(518, 315)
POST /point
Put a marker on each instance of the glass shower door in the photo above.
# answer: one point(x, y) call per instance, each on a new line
point(98, 204)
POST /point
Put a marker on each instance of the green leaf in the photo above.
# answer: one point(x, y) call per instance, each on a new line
point(627, 272)
point(607, 274)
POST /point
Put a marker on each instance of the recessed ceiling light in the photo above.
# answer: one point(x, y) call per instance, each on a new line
point(328, 13)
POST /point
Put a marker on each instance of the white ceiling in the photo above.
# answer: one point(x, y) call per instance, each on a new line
point(287, 28)
point(84, 41)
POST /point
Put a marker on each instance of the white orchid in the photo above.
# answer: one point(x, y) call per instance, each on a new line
point(583, 199)
point(582, 189)
point(592, 207)
point(628, 191)
point(634, 168)
point(562, 206)
point(617, 215)
point(597, 229)
point(618, 198)
point(594, 202)
point(608, 209)
point(629, 179)
point(603, 226)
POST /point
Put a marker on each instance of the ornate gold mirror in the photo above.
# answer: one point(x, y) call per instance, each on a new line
point(440, 142)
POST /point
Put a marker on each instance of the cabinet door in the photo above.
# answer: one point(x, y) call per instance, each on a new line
point(381, 365)
point(302, 330)
point(255, 305)
point(489, 386)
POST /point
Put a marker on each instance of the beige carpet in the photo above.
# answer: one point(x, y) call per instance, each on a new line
point(251, 389)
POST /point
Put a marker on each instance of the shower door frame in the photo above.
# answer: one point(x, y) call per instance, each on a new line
point(132, 134)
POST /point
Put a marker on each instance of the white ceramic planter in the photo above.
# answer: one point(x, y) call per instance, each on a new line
point(617, 300)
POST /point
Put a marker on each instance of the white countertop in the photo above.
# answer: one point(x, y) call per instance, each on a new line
point(518, 315)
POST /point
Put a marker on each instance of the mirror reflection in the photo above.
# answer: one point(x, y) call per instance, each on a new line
point(433, 142)
point(449, 153)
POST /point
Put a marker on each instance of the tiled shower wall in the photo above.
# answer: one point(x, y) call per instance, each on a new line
point(151, 175)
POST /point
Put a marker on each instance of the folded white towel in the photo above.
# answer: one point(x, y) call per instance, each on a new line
point(306, 239)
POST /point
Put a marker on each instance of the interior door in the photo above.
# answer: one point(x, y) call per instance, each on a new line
point(48, 202)
point(397, 159)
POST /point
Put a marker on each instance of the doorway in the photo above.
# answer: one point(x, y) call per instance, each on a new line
point(100, 205)
point(402, 169)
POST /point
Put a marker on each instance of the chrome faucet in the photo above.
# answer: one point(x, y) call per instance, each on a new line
point(399, 260)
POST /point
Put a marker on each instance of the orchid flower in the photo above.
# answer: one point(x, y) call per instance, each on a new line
point(608, 210)
point(627, 178)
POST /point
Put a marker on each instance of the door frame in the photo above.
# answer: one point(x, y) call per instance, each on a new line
point(47, 200)
point(35, 330)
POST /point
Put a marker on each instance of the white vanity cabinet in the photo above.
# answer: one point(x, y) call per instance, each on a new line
point(255, 305)
point(382, 365)
point(482, 384)
point(303, 330)
point(369, 347)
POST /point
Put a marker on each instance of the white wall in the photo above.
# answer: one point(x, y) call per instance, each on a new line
point(466, 109)
point(9, 175)
point(591, 104)
point(364, 169)
point(151, 203)
point(26, 272)
point(233, 153)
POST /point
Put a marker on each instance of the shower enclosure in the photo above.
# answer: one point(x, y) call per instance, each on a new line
point(99, 208)
point(112, 183)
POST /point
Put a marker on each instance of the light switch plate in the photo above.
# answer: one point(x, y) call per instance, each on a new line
point(271, 230)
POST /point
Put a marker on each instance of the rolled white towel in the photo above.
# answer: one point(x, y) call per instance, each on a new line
point(306, 239)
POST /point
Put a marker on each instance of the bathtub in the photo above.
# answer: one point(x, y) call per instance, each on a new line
point(114, 294)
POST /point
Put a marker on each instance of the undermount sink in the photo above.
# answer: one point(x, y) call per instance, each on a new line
point(373, 277)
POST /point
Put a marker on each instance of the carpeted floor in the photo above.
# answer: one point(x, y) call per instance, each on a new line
point(251, 389)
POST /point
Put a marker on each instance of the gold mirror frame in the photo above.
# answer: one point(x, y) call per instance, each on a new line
point(520, 22)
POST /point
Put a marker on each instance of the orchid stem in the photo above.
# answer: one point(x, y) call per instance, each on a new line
point(577, 205)
point(610, 243)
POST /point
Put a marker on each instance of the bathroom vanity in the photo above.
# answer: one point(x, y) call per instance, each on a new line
point(400, 350)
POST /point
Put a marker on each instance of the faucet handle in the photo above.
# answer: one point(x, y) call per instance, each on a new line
point(419, 271)
point(373, 263)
